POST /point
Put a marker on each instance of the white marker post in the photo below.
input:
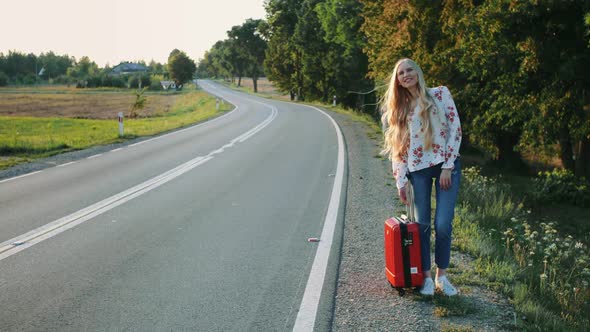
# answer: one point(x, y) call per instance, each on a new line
point(334, 102)
point(120, 124)
point(217, 104)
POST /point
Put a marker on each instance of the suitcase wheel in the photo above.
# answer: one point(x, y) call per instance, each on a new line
point(401, 291)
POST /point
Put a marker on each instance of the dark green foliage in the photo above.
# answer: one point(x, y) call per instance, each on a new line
point(517, 69)
point(83, 69)
point(241, 54)
point(250, 47)
point(3, 79)
point(114, 81)
point(315, 51)
point(180, 67)
point(134, 80)
point(561, 185)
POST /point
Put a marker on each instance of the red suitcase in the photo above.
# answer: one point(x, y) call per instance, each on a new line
point(403, 264)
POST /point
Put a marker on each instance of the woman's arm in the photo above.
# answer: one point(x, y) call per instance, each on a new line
point(400, 173)
point(454, 136)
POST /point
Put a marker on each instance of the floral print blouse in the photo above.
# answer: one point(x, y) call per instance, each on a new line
point(446, 132)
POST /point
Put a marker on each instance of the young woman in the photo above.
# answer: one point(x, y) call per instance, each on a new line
point(422, 139)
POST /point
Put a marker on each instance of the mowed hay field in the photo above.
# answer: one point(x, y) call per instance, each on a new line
point(36, 123)
point(73, 103)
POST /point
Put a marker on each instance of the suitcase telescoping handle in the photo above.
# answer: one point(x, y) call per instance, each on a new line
point(411, 217)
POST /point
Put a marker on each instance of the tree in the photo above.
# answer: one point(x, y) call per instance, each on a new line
point(180, 67)
point(156, 68)
point(19, 67)
point(556, 58)
point(54, 65)
point(249, 45)
point(83, 69)
point(341, 21)
point(516, 68)
point(282, 61)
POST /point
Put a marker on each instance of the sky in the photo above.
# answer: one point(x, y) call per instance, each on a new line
point(111, 31)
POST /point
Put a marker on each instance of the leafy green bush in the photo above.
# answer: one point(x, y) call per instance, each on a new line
point(63, 79)
point(133, 81)
point(94, 81)
point(560, 185)
point(114, 81)
point(155, 82)
point(25, 79)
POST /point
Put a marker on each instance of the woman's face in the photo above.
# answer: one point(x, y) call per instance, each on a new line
point(406, 75)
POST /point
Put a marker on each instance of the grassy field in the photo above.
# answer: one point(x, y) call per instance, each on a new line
point(36, 124)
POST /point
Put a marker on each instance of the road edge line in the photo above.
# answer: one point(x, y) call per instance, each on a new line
point(306, 317)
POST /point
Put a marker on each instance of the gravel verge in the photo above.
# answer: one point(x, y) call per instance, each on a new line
point(364, 299)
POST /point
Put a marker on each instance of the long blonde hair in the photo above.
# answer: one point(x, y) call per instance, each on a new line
point(395, 106)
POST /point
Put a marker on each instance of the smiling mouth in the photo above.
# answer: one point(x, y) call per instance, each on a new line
point(407, 80)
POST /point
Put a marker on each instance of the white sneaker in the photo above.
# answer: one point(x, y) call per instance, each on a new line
point(444, 285)
point(428, 287)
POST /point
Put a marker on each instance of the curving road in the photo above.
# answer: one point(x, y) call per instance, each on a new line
point(203, 229)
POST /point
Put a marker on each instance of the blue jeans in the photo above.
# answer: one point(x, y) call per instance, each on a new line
point(443, 216)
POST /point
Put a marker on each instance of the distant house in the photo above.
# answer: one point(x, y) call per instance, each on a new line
point(168, 85)
point(128, 68)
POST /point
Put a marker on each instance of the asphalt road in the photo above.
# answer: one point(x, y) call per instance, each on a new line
point(204, 229)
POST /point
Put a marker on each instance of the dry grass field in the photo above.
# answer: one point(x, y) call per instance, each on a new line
point(39, 122)
point(265, 87)
point(70, 103)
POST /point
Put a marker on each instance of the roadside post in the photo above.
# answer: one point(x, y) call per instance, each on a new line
point(120, 124)
point(217, 104)
point(334, 101)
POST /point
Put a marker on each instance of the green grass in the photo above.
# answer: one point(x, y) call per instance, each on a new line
point(446, 306)
point(454, 328)
point(27, 138)
point(544, 273)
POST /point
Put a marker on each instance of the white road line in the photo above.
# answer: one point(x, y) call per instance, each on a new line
point(185, 129)
point(66, 164)
point(29, 239)
point(115, 150)
point(306, 317)
point(20, 176)
point(20, 243)
point(307, 314)
point(95, 156)
point(139, 143)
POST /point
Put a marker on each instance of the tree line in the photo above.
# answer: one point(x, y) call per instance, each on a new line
point(18, 68)
point(517, 69)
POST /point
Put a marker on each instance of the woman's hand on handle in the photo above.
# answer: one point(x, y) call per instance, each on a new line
point(445, 179)
point(402, 195)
